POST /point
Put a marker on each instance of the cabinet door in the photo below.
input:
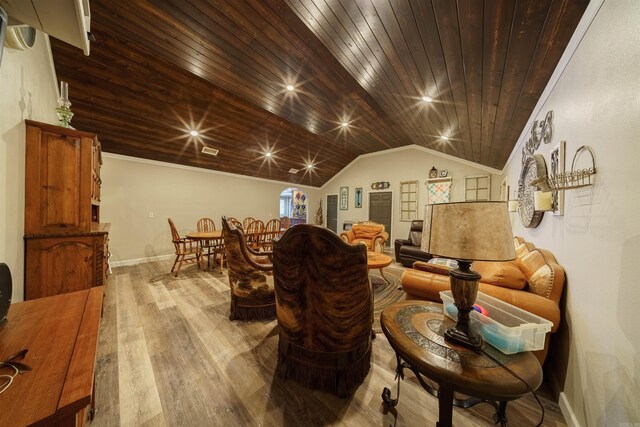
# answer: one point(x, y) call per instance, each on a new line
point(58, 265)
point(57, 182)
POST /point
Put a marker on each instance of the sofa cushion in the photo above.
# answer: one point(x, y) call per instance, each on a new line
point(367, 231)
point(505, 274)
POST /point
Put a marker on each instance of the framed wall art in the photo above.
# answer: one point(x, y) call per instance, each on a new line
point(358, 197)
point(344, 198)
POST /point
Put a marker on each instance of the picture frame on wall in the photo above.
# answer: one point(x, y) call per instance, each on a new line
point(557, 163)
point(358, 197)
point(344, 198)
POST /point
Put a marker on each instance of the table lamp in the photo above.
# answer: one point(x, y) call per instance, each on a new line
point(467, 232)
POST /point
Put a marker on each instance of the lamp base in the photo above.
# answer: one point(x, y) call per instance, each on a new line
point(467, 340)
point(464, 288)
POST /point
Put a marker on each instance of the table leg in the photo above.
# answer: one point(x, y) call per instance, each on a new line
point(445, 405)
point(385, 279)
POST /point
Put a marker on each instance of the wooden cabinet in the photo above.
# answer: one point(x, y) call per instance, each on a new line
point(65, 245)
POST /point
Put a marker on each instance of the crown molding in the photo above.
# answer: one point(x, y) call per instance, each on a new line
point(202, 170)
point(417, 148)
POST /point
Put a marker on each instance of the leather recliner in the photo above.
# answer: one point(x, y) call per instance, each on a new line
point(408, 250)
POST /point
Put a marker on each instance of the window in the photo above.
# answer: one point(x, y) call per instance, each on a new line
point(408, 200)
point(477, 187)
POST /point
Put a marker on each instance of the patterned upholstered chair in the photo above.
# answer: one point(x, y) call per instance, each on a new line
point(250, 277)
point(324, 308)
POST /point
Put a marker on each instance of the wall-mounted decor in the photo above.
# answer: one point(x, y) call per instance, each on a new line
point(575, 178)
point(438, 190)
point(299, 200)
point(358, 197)
point(408, 200)
point(344, 198)
point(443, 173)
point(382, 185)
point(534, 167)
point(540, 132)
point(433, 173)
point(477, 187)
point(557, 169)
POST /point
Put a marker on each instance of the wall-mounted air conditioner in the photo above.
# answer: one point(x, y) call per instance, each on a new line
point(66, 20)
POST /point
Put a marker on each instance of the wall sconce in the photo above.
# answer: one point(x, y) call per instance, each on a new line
point(513, 203)
point(543, 201)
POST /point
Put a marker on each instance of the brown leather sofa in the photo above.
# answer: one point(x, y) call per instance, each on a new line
point(533, 281)
point(370, 233)
point(408, 250)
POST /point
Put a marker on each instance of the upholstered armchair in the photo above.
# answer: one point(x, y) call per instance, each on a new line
point(324, 308)
point(370, 233)
point(250, 277)
point(408, 250)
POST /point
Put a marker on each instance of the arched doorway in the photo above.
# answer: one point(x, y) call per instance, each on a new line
point(294, 204)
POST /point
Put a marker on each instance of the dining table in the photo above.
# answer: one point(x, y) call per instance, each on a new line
point(205, 236)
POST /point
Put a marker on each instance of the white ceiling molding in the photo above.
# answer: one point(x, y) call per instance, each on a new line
point(203, 170)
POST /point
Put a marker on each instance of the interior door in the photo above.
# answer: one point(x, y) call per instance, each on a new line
point(332, 212)
point(380, 210)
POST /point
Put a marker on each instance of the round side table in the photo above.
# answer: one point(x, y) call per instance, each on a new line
point(415, 331)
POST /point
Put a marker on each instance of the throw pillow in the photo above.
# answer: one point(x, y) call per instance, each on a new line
point(505, 274)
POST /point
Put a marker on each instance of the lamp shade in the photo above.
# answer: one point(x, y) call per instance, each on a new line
point(474, 231)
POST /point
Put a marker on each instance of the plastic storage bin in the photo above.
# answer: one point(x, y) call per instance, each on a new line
point(507, 328)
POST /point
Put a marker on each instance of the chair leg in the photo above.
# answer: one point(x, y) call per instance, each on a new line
point(179, 265)
point(174, 263)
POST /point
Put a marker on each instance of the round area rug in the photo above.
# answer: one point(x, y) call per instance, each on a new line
point(385, 294)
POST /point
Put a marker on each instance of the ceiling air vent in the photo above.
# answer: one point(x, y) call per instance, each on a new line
point(210, 151)
point(292, 170)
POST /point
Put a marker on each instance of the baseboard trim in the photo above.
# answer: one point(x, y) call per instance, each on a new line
point(136, 261)
point(567, 411)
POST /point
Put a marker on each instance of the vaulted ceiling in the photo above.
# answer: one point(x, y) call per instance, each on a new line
point(159, 69)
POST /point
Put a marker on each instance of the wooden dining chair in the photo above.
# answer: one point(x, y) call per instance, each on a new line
point(246, 222)
point(213, 247)
point(271, 231)
point(187, 250)
point(255, 234)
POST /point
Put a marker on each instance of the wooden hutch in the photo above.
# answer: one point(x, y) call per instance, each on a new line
point(65, 243)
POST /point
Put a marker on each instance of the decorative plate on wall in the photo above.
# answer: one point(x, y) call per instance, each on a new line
point(533, 167)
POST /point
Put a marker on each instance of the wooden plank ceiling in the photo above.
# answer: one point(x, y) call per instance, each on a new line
point(159, 69)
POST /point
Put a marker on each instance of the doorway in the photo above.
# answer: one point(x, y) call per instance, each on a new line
point(332, 212)
point(380, 210)
point(293, 204)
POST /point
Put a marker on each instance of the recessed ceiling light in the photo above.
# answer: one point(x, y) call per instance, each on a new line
point(445, 137)
point(310, 165)
point(268, 154)
point(344, 124)
point(427, 98)
point(290, 88)
point(194, 133)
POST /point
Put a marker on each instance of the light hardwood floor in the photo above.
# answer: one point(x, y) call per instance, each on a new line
point(168, 355)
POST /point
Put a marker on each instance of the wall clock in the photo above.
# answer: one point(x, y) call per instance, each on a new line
point(444, 173)
point(533, 167)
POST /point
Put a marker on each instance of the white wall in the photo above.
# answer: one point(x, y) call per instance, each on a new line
point(131, 188)
point(595, 357)
point(397, 165)
point(27, 91)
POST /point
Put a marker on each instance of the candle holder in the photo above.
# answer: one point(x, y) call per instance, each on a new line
point(63, 111)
